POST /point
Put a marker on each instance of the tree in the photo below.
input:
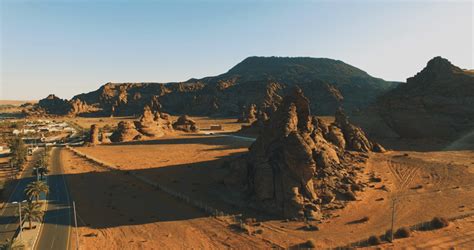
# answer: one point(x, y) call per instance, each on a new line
point(32, 212)
point(11, 244)
point(41, 165)
point(42, 171)
point(34, 190)
point(18, 151)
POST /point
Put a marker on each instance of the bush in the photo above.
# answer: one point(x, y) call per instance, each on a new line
point(403, 232)
point(374, 240)
point(310, 243)
point(439, 222)
point(310, 227)
point(259, 231)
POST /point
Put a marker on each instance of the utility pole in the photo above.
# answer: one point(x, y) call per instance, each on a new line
point(75, 224)
point(21, 220)
point(21, 224)
point(393, 218)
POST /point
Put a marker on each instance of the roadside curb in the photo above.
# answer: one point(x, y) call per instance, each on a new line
point(46, 206)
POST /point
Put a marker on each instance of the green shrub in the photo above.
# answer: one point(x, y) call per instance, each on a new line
point(310, 243)
point(439, 222)
point(374, 240)
point(403, 232)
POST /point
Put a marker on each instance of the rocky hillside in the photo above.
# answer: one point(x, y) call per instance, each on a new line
point(438, 102)
point(256, 80)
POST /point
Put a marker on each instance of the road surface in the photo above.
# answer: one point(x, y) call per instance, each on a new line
point(58, 219)
point(9, 220)
point(221, 133)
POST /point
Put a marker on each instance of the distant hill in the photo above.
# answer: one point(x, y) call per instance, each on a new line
point(438, 102)
point(327, 83)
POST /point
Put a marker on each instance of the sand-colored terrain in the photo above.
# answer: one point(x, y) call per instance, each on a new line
point(118, 212)
point(16, 102)
point(204, 123)
point(459, 233)
point(424, 184)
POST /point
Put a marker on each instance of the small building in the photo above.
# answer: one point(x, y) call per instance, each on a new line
point(216, 127)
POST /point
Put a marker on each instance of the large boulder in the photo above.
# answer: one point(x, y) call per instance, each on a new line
point(186, 124)
point(94, 134)
point(126, 131)
point(147, 124)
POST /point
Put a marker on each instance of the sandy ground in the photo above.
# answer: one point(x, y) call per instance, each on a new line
point(15, 102)
point(459, 234)
point(204, 123)
point(424, 184)
point(118, 212)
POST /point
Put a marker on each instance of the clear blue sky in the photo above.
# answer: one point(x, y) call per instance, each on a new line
point(68, 47)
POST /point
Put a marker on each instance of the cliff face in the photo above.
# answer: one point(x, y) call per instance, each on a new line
point(438, 102)
point(256, 80)
point(298, 164)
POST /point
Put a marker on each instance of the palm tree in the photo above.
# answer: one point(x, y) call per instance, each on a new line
point(32, 212)
point(34, 189)
point(42, 171)
point(11, 244)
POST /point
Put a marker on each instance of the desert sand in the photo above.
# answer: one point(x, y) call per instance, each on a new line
point(423, 185)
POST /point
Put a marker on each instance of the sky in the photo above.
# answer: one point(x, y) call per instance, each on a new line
point(67, 47)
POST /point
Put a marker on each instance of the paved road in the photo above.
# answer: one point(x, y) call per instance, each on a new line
point(220, 133)
point(9, 220)
point(58, 219)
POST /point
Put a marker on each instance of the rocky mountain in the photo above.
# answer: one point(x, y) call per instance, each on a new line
point(438, 102)
point(259, 81)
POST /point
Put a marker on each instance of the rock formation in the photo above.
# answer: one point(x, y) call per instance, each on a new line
point(94, 134)
point(126, 131)
point(256, 127)
point(350, 137)
point(256, 80)
point(186, 124)
point(438, 102)
point(54, 105)
point(249, 114)
point(292, 169)
point(148, 125)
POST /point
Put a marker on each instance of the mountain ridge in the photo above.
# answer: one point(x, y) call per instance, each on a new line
point(256, 80)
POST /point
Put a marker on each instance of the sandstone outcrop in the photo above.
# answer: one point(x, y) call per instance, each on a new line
point(351, 137)
point(292, 169)
point(249, 114)
point(94, 134)
point(256, 127)
point(54, 105)
point(151, 124)
point(148, 125)
point(126, 131)
point(437, 103)
point(186, 124)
